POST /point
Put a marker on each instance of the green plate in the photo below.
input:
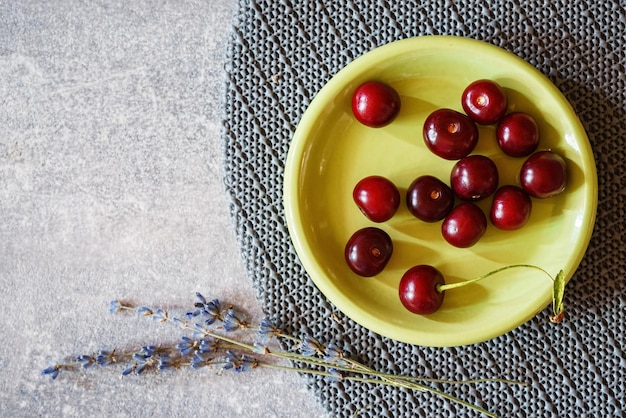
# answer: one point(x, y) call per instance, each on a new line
point(330, 152)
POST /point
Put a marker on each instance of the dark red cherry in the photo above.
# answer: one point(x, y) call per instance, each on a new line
point(375, 104)
point(429, 199)
point(484, 101)
point(450, 134)
point(464, 226)
point(543, 174)
point(368, 251)
point(517, 134)
point(418, 289)
point(510, 208)
point(474, 177)
point(377, 198)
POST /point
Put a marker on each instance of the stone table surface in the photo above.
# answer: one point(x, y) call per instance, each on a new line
point(111, 186)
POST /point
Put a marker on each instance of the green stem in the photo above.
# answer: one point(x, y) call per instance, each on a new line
point(399, 383)
point(368, 370)
point(444, 287)
point(235, 343)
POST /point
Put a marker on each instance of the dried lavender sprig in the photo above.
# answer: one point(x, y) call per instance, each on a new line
point(330, 358)
point(408, 385)
point(311, 346)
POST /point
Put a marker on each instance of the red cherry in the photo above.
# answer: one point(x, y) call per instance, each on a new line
point(517, 134)
point(510, 208)
point(543, 174)
point(464, 226)
point(377, 197)
point(418, 289)
point(375, 104)
point(429, 199)
point(422, 287)
point(474, 177)
point(450, 134)
point(368, 251)
point(484, 101)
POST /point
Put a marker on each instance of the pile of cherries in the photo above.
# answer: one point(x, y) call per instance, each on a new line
point(451, 135)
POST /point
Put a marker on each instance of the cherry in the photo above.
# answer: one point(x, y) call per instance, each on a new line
point(517, 134)
point(375, 104)
point(422, 288)
point(429, 199)
point(377, 198)
point(450, 134)
point(510, 208)
point(464, 226)
point(474, 177)
point(543, 174)
point(418, 289)
point(368, 250)
point(484, 101)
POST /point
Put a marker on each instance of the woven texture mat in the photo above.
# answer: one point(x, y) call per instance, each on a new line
point(283, 52)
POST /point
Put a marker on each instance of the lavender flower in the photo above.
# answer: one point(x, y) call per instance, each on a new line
point(166, 362)
point(186, 346)
point(52, 371)
point(144, 310)
point(142, 362)
point(247, 363)
point(334, 354)
point(200, 360)
point(335, 375)
point(239, 364)
point(86, 361)
point(310, 347)
point(149, 350)
point(267, 330)
point(115, 306)
point(104, 358)
point(209, 345)
point(160, 315)
point(232, 321)
point(212, 310)
point(128, 370)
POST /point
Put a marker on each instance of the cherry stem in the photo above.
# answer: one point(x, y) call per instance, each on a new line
point(444, 287)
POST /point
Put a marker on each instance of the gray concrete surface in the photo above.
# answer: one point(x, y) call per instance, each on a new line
point(111, 187)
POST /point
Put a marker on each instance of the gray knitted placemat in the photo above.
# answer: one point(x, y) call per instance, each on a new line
point(284, 51)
